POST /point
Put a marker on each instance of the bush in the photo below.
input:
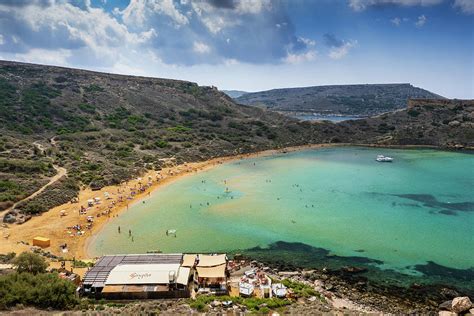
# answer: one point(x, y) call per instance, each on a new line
point(7, 258)
point(300, 289)
point(413, 112)
point(44, 290)
point(30, 262)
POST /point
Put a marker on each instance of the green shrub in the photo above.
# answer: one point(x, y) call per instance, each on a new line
point(43, 290)
point(30, 262)
point(94, 88)
point(300, 289)
point(413, 112)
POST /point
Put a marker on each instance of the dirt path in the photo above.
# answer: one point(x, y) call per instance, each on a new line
point(60, 173)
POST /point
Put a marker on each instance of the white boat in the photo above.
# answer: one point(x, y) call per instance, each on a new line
point(279, 290)
point(382, 158)
point(246, 288)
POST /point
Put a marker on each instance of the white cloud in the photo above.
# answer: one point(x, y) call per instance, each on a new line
point(217, 18)
point(201, 48)
point(396, 21)
point(300, 58)
point(45, 56)
point(421, 21)
point(466, 6)
point(360, 5)
point(139, 11)
point(307, 41)
point(92, 34)
point(342, 50)
point(252, 6)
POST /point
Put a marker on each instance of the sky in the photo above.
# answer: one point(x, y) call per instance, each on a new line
point(252, 45)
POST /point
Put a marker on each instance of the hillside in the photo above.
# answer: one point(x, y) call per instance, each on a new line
point(234, 93)
point(433, 122)
point(104, 129)
point(361, 100)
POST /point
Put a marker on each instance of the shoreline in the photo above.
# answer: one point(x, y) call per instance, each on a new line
point(198, 167)
point(49, 224)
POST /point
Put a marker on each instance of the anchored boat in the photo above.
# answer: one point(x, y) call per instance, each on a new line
point(382, 158)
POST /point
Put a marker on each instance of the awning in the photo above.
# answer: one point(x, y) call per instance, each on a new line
point(183, 275)
point(211, 261)
point(189, 260)
point(211, 272)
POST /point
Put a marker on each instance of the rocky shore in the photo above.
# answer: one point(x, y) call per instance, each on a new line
point(345, 290)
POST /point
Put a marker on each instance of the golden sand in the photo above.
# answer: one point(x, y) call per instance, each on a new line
point(57, 228)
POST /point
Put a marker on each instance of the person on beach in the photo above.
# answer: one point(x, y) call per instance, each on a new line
point(119, 229)
point(129, 233)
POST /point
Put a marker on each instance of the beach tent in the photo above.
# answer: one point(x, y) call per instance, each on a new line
point(42, 242)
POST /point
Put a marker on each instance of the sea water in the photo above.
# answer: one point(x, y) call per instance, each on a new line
point(418, 209)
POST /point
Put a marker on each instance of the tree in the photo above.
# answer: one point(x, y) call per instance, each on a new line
point(30, 262)
point(42, 290)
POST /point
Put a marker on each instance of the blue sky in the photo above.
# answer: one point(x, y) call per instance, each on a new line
point(252, 45)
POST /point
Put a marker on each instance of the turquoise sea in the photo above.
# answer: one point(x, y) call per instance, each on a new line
point(416, 210)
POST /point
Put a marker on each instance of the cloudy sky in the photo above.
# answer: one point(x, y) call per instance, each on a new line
point(252, 44)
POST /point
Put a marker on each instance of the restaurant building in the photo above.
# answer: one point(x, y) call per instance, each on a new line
point(141, 276)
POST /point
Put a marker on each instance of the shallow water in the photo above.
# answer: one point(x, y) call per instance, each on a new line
point(418, 209)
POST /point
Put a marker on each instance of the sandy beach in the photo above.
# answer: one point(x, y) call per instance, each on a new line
point(59, 229)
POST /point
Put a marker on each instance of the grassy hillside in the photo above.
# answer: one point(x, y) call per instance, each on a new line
point(105, 128)
point(364, 100)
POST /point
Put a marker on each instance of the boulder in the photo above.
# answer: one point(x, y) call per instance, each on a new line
point(454, 123)
point(461, 304)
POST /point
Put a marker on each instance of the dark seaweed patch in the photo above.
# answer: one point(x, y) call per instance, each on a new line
point(434, 269)
point(448, 212)
point(299, 254)
point(429, 200)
